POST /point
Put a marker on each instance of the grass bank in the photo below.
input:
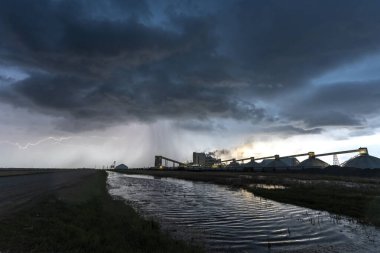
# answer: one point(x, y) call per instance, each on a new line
point(356, 197)
point(84, 218)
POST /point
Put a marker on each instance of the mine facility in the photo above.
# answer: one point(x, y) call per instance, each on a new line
point(361, 160)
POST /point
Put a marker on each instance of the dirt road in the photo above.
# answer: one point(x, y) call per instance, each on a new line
point(17, 191)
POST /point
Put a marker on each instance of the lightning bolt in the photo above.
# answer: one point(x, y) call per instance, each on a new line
point(57, 140)
point(32, 144)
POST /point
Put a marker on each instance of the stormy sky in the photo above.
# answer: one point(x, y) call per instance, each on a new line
point(84, 83)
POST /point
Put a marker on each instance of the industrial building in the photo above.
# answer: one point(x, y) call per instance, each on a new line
point(234, 164)
point(121, 167)
point(265, 163)
point(251, 164)
point(312, 163)
point(204, 160)
point(279, 162)
point(363, 161)
point(158, 159)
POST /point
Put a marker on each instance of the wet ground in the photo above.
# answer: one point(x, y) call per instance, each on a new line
point(232, 220)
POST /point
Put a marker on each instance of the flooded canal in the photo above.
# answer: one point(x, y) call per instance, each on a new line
point(230, 220)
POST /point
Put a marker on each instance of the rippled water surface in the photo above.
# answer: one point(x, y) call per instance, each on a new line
point(223, 219)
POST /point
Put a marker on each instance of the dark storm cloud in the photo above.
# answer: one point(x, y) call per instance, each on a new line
point(287, 42)
point(65, 36)
point(6, 79)
point(199, 126)
point(339, 104)
point(292, 130)
point(103, 62)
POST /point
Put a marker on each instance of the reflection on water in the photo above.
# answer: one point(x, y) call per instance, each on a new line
point(268, 186)
point(236, 220)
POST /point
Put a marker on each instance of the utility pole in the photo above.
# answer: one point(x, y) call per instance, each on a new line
point(336, 160)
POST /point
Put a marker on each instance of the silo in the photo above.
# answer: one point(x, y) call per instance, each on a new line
point(234, 165)
point(313, 163)
point(251, 164)
point(363, 161)
point(265, 162)
point(290, 161)
point(277, 164)
point(280, 163)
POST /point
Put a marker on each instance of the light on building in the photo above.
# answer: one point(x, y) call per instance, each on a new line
point(363, 151)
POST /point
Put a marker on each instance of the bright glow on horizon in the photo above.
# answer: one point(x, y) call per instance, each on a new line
point(304, 144)
point(137, 144)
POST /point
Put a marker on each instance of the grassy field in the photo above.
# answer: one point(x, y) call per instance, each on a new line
point(353, 196)
point(84, 218)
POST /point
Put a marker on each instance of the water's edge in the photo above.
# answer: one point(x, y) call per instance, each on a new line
point(225, 219)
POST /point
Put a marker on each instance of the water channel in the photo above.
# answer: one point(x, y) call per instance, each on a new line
point(231, 220)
